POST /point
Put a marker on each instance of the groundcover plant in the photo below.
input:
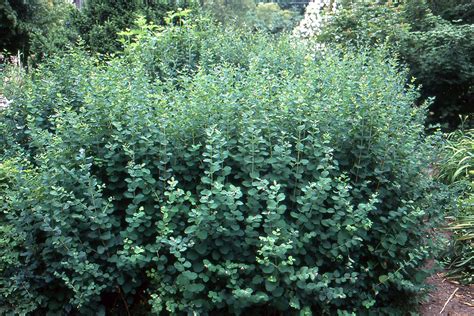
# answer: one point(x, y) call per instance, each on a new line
point(207, 170)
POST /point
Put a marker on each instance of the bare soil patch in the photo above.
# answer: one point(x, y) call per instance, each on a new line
point(451, 298)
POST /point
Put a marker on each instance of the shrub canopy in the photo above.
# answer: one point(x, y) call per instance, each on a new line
point(249, 174)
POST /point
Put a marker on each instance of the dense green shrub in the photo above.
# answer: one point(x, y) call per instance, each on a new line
point(438, 51)
point(14, 291)
point(267, 178)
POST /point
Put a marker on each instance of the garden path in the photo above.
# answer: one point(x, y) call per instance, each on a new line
point(449, 297)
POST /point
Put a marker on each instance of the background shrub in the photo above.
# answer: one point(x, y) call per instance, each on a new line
point(269, 17)
point(228, 11)
point(253, 15)
point(267, 178)
point(434, 40)
point(99, 21)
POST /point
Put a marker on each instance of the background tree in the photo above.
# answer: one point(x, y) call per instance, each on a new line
point(460, 10)
point(35, 27)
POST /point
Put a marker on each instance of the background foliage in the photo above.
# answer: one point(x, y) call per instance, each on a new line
point(99, 21)
point(433, 37)
point(36, 27)
point(43, 27)
point(453, 10)
point(256, 16)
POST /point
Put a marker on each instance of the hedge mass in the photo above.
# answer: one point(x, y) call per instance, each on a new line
point(258, 176)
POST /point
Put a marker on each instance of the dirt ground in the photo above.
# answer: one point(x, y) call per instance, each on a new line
point(459, 304)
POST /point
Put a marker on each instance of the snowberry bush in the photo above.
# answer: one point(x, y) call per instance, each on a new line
point(249, 177)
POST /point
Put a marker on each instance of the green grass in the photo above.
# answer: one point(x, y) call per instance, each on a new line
point(458, 169)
